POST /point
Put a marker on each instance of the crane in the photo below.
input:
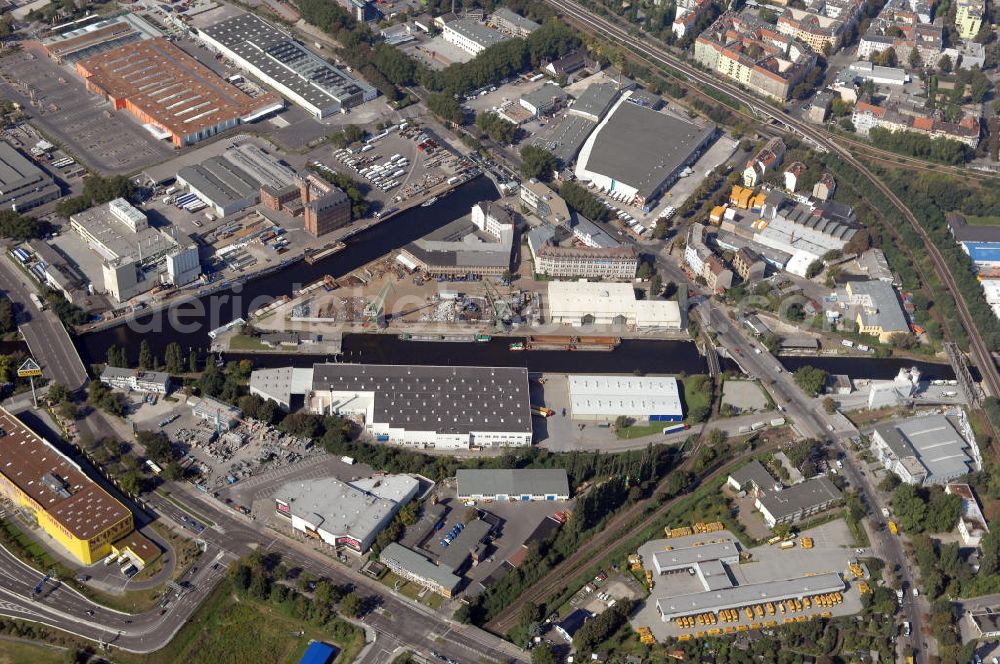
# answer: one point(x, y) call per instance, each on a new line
point(501, 308)
point(375, 308)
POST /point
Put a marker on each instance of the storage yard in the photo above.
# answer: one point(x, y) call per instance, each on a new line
point(706, 584)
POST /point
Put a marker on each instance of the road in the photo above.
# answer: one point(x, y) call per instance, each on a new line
point(47, 339)
point(648, 47)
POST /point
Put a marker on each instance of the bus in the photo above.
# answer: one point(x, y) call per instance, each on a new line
point(774, 540)
point(154, 467)
point(675, 428)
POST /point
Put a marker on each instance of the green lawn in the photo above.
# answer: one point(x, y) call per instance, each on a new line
point(975, 220)
point(243, 342)
point(15, 652)
point(412, 590)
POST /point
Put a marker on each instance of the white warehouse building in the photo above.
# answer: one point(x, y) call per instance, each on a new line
point(648, 398)
point(582, 303)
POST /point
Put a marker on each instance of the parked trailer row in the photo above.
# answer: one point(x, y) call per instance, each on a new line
point(20, 254)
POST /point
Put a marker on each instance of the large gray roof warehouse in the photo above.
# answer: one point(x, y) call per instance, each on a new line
point(23, 185)
point(286, 65)
point(513, 484)
point(640, 151)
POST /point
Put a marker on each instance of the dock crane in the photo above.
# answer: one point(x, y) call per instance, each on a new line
point(501, 308)
point(375, 309)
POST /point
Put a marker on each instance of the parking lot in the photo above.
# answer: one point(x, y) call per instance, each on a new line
point(86, 125)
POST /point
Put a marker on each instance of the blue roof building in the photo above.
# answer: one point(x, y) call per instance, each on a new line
point(983, 253)
point(318, 653)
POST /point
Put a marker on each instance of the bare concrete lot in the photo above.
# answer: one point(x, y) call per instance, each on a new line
point(86, 125)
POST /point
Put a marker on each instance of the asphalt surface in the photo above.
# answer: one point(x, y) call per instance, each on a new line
point(47, 339)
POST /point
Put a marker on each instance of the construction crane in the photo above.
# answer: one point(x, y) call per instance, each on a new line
point(501, 308)
point(375, 309)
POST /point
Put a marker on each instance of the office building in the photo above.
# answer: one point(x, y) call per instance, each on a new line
point(154, 382)
point(176, 96)
point(780, 504)
point(636, 153)
point(924, 450)
point(512, 484)
point(513, 23)
point(545, 100)
point(341, 514)
point(23, 185)
point(281, 62)
point(543, 202)
point(417, 406)
point(471, 36)
point(416, 567)
point(573, 262)
point(643, 398)
point(68, 506)
point(969, 17)
point(586, 303)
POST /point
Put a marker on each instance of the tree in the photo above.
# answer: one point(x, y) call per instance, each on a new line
point(944, 64)
point(59, 393)
point(829, 405)
point(156, 444)
point(193, 361)
point(499, 130)
point(580, 200)
point(914, 58)
point(811, 380)
point(445, 107)
point(173, 357)
point(145, 360)
point(538, 163)
point(814, 269)
point(8, 322)
point(542, 654)
point(350, 605)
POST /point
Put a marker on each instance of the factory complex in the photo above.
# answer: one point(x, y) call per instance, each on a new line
point(780, 504)
point(341, 514)
point(418, 406)
point(483, 247)
point(69, 506)
point(286, 65)
point(23, 185)
point(173, 94)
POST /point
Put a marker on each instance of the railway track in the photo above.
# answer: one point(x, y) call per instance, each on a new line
point(980, 354)
point(563, 573)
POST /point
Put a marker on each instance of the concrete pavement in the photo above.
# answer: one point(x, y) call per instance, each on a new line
point(44, 333)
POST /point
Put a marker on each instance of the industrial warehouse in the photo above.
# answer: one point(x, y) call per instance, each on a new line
point(286, 65)
point(512, 484)
point(483, 247)
point(341, 514)
point(68, 505)
point(23, 185)
point(646, 398)
point(931, 449)
point(231, 182)
point(700, 584)
point(581, 303)
point(176, 96)
point(419, 406)
point(637, 153)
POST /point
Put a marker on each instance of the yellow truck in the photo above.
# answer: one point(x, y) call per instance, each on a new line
point(893, 528)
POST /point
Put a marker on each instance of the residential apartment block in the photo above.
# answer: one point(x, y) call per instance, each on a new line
point(612, 263)
point(755, 54)
point(969, 17)
point(901, 117)
point(903, 26)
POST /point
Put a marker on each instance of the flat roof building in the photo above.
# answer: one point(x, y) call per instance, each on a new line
point(98, 37)
point(640, 152)
point(341, 514)
point(595, 101)
point(283, 63)
point(171, 91)
point(418, 568)
point(512, 22)
point(512, 484)
point(419, 406)
point(156, 382)
point(484, 247)
point(23, 185)
point(69, 506)
point(925, 450)
point(471, 36)
point(581, 303)
point(648, 398)
point(779, 504)
point(231, 182)
point(544, 100)
point(879, 311)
